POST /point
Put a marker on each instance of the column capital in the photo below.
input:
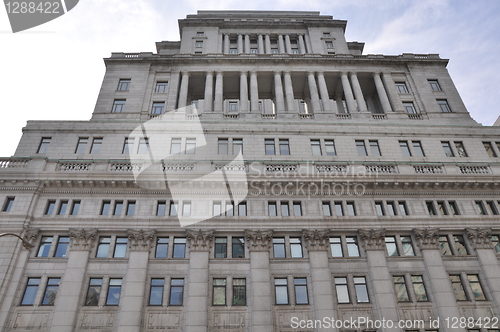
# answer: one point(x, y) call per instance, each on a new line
point(140, 240)
point(320, 72)
point(31, 235)
point(310, 72)
point(276, 72)
point(210, 72)
point(427, 238)
point(316, 239)
point(287, 72)
point(343, 73)
point(376, 74)
point(243, 72)
point(185, 73)
point(353, 73)
point(259, 240)
point(82, 239)
point(200, 240)
point(480, 237)
point(373, 239)
point(253, 72)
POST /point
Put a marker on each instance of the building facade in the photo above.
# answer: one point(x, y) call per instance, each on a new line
point(261, 174)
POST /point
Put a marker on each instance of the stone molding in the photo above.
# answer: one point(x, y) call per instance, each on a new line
point(427, 238)
point(316, 239)
point(31, 235)
point(200, 240)
point(480, 237)
point(82, 239)
point(373, 239)
point(259, 240)
point(140, 240)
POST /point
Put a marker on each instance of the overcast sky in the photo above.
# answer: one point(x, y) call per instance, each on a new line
point(54, 71)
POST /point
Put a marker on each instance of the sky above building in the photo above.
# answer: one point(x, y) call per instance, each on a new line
point(54, 71)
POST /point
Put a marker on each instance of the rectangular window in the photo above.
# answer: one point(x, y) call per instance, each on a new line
point(123, 84)
point(7, 206)
point(390, 208)
point(284, 147)
point(176, 291)
point(219, 292)
point(75, 208)
point(390, 245)
point(458, 288)
point(229, 209)
point(327, 210)
point(434, 85)
point(271, 207)
point(106, 205)
point(407, 246)
point(239, 292)
point(336, 247)
point(118, 106)
point(442, 208)
point(460, 149)
point(379, 208)
point(62, 246)
point(495, 240)
point(82, 145)
point(174, 207)
point(326, 34)
point(128, 144)
point(120, 247)
point(444, 246)
point(233, 51)
point(158, 108)
point(220, 247)
point(351, 210)
point(253, 51)
point(361, 290)
point(161, 87)
point(30, 291)
point(237, 145)
point(198, 44)
point(342, 290)
point(339, 209)
point(330, 147)
point(103, 247)
point(274, 50)
point(489, 149)
point(329, 44)
point(217, 208)
point(405, 149)
point(492, 208)
point(443, 104)
point(460, 247)
point(400, 287)
point(233, 106)
point(279, 247)
point(49, 209)
point(281, 290)
point(161, 208)
point(403, 211)
point(44, 145)
point(430, 208)
point(186, 209)
point(130, 208)
point(242, 209)
point(94, 292)
point(480, 208)
point(175, 146)
point(297, 209)
point(300, 285)
point(238, 247)
point(223, 146)
point(190, 145)
point(361, 148)
point(63, 205)
point(453, 208)
point(269, 146)
point(477, 290)
point(419, 288)
point(417, 149)
point(352, 246)
point(316, 147)
point(96, 145)
point(296, 247)
point(409, 107)
point(179, 247)
point(156, 291)
point(49, 296)
point(285, 210)
point(161, 247)
point(45, 243)
point(117, 211)
point(402, 88)
point(114, 290)
point(143, 146)
point(374, 148)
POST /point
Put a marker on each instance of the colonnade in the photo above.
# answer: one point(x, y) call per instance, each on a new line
point(281, 43)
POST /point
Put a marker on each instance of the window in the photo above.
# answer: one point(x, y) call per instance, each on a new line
point(419, 289)
point(127, 145)
point(434, 85)
point(342, 290)
point(176, 291)
point(45, 243)
point(175, 146)
point(409, 107)
point(390, 244)
point(7, 206)
point(220, 247)
point(361, 290)
point(75, 208)
point(403, 211)
point(233, 106)
point(161, 87)
point(269, 146)
point(217, 208)
point(143, 146)
point(402, 88)
point(179, 247)
point(405, 149)
point(489, 149)
point(82, 145)
point(407, 246)
point(330, 147)
point(329, 44)
point(391, 210)
point(158, 108)
point(233, 51)
point(94, 292)
point(295, 50)
point(447, 149)
point(253, 51)
point(361, 148)
point(400, 287)
point(399, 246)
point(198, 44)
point(480, 208)
point(200, 34)
point(174, 207)
point(219, 292)
point(190, 145)
point(492, 209)
point(300, 285)
point(316, 147)
point(63, 205)
point(430, 208)
point(326, 34)
point(344, 246)
point(123, 84)
point(30, 291)
point(120, 247)
point(62, 246)
point(223, 146)
point(114, 290)
point(379, 207)
point(374, 148)
point(271, 207)
point(237, 145)
point(460, 248)
point(455, 246)
point(44, 145)
point(242, 209)
point(156, 291)
point(238, 247)
point(239, 292)
point(118, 106)
point(49, 296)
point(103, 247)
point(161, 208)
point(460, 149)
point(50, 207)
point(296, 247)
point(339, 210)
point(96, 145)
point(279, 247)
point(458, 288)
point(351, 211)
point(417, 149)
point(161, 247)
point(281, 290)
point(186, 208)
point(117, 211)
point(327, 210)
point(274, 50)
point(477, 290)
point(106, 205)
point(284, 147)
point(297, 209)
point(443, 104)
point(285, 210)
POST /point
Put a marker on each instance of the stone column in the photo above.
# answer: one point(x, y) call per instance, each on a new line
point(358, 93)
point(226, 43)
point(200, 243)
point(318, 243)
point(382, 95)
point(260, 44)
point(288, 44)
point(481, 239)
point(240, 43)
point(220, 48)
point(440, 285)
point(313, 91)
point(302, 46)
point(132, 301)
point(278, 92)
point(323, 90)
point(290, 99)
point(385, 302)
point(247, 43)
point(172, 91)
point(243, 92)
point(184, 90)
point(268, 44)
point(254, 92)
point(209, 92)
point(281, 44)
point(349, 98)
point(393, 95)
point(259, 244)
point(308, 44)
point(218, 101)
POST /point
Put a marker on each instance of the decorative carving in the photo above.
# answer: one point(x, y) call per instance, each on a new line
point(480, 237)
point(374, 239)
point(31, 235)
point(316, 239)
point(82, 239)
point(200, 240)
point(259, 240)
point(427, 238)
point(141, 240)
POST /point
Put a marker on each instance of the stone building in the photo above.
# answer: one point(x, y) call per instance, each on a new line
point(261, 174)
